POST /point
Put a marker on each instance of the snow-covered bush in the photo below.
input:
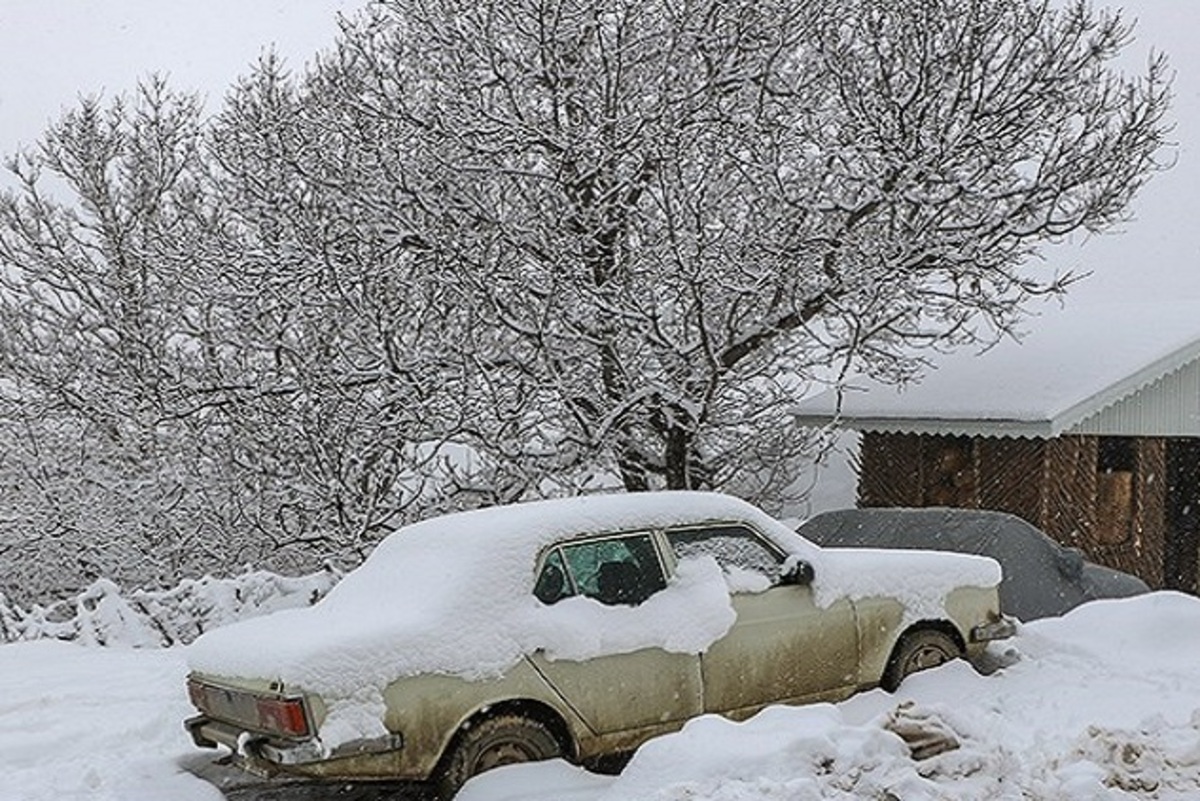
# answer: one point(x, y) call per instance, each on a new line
point(104, 615)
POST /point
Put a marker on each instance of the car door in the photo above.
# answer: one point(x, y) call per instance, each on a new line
point(783, 647)
point(648, 688)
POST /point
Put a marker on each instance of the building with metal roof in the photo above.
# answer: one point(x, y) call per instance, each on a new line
point(1088, 427)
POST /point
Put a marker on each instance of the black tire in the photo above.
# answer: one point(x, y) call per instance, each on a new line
point(918, 650)
point(488, 743)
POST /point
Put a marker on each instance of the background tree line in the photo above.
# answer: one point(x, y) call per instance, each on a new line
point(490, 250)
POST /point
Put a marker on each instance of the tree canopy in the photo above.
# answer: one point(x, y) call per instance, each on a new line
point(487, 250)
point(670, 214)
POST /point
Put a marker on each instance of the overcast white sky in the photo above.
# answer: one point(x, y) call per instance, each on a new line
point(53, 51)
point(1158, 254)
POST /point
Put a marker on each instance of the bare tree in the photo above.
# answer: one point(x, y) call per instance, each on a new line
point(95, 346)
point(210, 356)
point(671, 215)
point(491, 249)
point(350, 352)
point(175, 399)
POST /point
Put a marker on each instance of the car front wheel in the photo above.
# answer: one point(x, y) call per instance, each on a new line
point(918, 650)
point(504, 739)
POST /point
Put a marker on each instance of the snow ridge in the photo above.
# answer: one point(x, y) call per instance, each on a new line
point(103, 614)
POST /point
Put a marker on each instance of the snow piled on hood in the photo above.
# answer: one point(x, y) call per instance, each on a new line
point(454, 595)
point(919, 579)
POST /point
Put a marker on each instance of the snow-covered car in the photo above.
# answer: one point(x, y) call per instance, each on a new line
point(1041, 577)
point(576, 628)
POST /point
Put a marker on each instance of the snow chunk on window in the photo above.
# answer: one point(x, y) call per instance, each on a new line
point(691, 614)
point(741, 579)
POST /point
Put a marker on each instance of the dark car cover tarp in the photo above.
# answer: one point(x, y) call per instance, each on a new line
point(1041, 578)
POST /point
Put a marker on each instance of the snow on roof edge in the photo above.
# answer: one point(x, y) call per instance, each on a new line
point(822, 410)
point(953, 426)
point(1126, 387)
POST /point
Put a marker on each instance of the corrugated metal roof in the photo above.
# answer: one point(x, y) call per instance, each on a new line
point(1168, 407)
point(1120, 369)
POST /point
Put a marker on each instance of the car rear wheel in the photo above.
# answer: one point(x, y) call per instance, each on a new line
point(504, 739)
point(918, 650)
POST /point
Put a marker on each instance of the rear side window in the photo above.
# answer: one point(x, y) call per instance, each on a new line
point(616, 571)
point(734, 548)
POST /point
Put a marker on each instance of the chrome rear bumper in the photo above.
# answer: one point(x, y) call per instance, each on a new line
point(209, 733)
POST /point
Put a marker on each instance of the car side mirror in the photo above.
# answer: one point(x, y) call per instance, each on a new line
point(1070, 563)
point(797, 572)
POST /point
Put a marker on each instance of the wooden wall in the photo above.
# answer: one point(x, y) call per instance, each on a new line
point(1009, 471)
point(890, 470)
point(1148, 548)
point(1117, 516)
point(1068, 482)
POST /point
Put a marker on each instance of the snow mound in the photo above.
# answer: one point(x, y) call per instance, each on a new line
point(103, 614)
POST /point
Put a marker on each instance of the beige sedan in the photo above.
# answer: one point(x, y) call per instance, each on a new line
point(577, 629)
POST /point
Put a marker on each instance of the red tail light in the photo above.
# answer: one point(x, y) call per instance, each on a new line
point(266, 714)
point(283, 715)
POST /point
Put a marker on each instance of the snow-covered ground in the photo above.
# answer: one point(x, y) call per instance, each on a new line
point(1101, 704)
point(95, 723)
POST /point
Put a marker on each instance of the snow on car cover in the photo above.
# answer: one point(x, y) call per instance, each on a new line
point(453, 595)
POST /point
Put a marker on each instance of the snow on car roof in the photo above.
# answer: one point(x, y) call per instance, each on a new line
point(481, 560)
point(537, 523)
point(453, 595)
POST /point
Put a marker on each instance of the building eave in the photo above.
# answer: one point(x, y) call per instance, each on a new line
point(836, 408)
point(1135, 382)
point(1030, 429)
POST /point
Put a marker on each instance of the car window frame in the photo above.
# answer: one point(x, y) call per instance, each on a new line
point(568, 580)
point(779, 552)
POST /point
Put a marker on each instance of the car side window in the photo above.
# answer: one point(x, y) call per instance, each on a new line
point(734, 547)
point(621, 570)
